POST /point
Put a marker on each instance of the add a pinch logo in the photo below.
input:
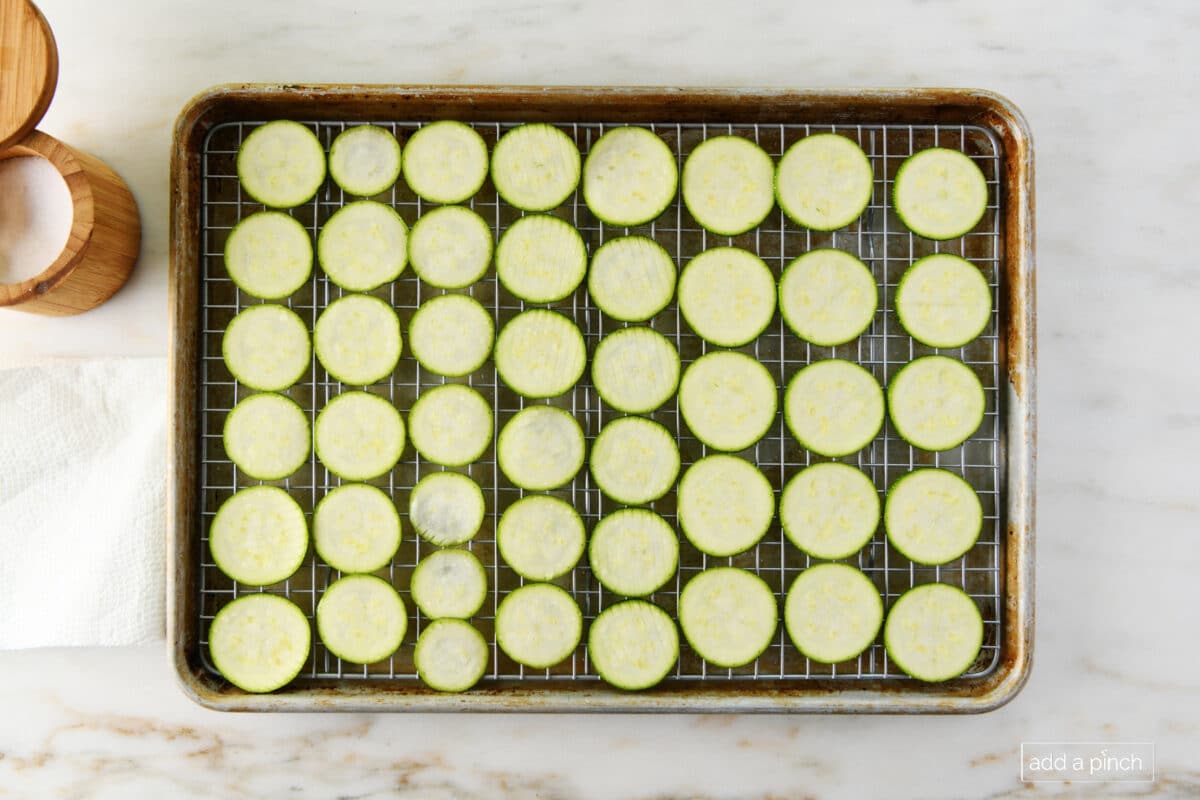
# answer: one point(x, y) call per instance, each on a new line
point(1087, 761)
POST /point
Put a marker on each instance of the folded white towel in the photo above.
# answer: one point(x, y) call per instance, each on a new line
point(82, 502)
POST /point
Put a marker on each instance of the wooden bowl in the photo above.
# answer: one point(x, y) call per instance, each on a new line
point(102, 246)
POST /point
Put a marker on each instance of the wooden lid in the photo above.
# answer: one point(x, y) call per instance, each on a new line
point(28, 69)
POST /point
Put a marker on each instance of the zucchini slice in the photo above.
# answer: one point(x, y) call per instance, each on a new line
point(934, 632)
point(450, 584)
point(450, 247)
point(281, 164)
point(828, 297)
point(267, 436)
point(541, 259)
point(630, 177)
point(259, 536)
point(832, 613)
point(833, 407)
point(633, 552)
point(729, 185)
point(445, 162)
point(829, 510)
point(725, 505)
point(943, 301)
point(364, 160)
point(727, 296)
point(540, 537)
point(361, 619)
point(824, 182)
point(939, 194)
point(538, 625)
point(631, 278)
point(451, 655)
point(358, 340)
point(266, 347)
point(359, 436)
point(633, 645)
point(634, 460)
point(728, 615)
point(446, 508)
point(451, 425)
point(936, 402)
point(635, 370)
point(540, 353)
point(728, 400)
point(540, 448)
point(932, 516)
point(452, 334)
point(356, 528)
point(363, 246)
point(269, 255)
point(535, 167)
point(259, 642)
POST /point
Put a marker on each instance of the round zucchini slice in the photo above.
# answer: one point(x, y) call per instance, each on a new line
point(267, 436)
point(538, 625)
point(364, 160)
point(259, 642)
point(828, 297)
point(635, 370)
point(363, 246)
point(450, 247)
point(633, 552)
point(281, 164)
point(635, 460)
point(633, 645)
point(266, 347)
point(728, 615)
point(269, 255)
point(725, 505)
point(727, 296)
point(943, 301)
point(357, 339)
point(824, 182)
point(936, 402)
point(940, 194)
point(540, 537)
point(631, 278)
point(535, 167)
point(728, 400)
point(451, 335)
point(361, 619)
point(451, 425)
point(932, 516)
point(540, 353)
point(630, 177)
point(445, 162)
point(729, 185)
point(934, 632)
point(356, 528)
point(259, 536)
point(359, 436)
point(541, 259)
point(829, 510)
point(833, 407)
point(446, 508)
point(540, 448)
point(832, 613)
point(449, 584)
point(451, 655)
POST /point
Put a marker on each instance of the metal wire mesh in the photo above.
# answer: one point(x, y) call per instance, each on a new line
point(877, 238)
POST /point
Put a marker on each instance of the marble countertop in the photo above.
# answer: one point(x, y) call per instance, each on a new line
point(1109, 89)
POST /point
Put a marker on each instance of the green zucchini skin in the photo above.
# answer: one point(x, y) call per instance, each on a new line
point(972, 200)
point(269, 621)
point(308, 175)
point(633, 645)
point(972, 408)
point(933, 632)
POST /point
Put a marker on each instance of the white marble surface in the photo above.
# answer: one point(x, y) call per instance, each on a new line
point(1110, 90)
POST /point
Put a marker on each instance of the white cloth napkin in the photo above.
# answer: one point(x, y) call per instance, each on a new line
point(82, 502)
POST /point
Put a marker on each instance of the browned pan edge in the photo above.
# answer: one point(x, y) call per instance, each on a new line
point(615, 104)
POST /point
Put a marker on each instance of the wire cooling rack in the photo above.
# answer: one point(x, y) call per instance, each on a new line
point(877, 238)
